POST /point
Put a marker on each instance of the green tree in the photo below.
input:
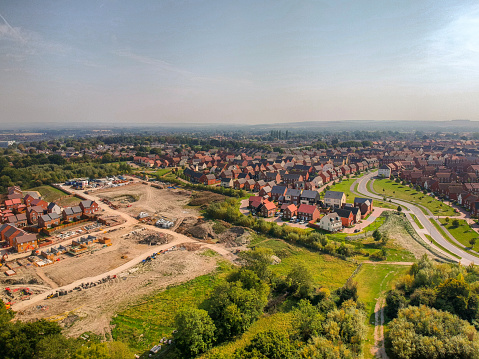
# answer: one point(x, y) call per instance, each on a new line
point(258, 260)
point(455, 223)
point(195, 332)
point(300, 281)
point(399, 209)
point(307, 320)
point(473, 242)
point(377, 235)
point(271, 344)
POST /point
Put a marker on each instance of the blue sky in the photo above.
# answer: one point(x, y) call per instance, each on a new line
point(237, 61)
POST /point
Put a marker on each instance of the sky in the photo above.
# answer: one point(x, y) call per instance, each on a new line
point(242, 62)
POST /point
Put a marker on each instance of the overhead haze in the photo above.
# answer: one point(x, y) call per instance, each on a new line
point(241, 62)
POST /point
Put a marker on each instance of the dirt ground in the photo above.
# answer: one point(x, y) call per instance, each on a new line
point(167, 203)
point(92, 309)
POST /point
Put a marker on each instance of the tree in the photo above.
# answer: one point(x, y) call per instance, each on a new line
point(195, 331)
point(307, 320)
point(473, 241)
point(395, 300)
point(258, 260)
point(348, 291)
point(271, 344)
point(423, 332)
point(455, 223)
point(301, 281)
point(377, 236)
point(399, 209)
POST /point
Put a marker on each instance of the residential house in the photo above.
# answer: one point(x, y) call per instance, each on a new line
point(49, 220)
point(265, 191)
point(25, 242)
point(89, 207)
point(331, 223)
point(33, 213)
point(277, 192)
point(226, 182)
point(72, 213)
point(268, 209)
point(308, 212)
point(334, 199)
point(346, 216)
point(309, 197)
point(290, 211)
point(384, 171)
point(292, 195)
point(365, 205)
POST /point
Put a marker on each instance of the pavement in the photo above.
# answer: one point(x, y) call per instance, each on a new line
point(429, 229)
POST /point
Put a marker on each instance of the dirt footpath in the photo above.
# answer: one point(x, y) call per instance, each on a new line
point(92, 309)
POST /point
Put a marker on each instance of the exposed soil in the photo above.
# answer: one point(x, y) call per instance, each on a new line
point(205, 198)
point(93, 308)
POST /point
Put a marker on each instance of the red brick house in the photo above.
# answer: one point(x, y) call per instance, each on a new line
point(255, 199)
point(33, 213)
point(25, 242)
point(72, 213)
point(290, 211)
point(268, 209)
point(347, 217)
point(49, 220)
point(308, 212)
point(208, 180)
point(8, 232)
point(89, 207)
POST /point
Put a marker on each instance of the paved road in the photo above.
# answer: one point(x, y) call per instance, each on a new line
point(428, 226)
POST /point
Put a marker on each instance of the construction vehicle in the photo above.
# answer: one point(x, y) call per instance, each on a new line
point(4, 259)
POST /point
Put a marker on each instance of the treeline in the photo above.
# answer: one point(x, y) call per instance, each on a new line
point(43, 340)
point(38, 175)
point(228, 211)
point(325, 324)
point(231, 192)
point(435, 306)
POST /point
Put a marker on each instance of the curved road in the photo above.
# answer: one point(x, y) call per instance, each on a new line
point(428, 226)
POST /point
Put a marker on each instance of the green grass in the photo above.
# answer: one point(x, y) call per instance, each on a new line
point(373, 279)
point(417, 221)
point(369, 228)
point(463, 233)
point(443, 233)
point(441, 247)
point(345, 186)
point(327, 271)
point(279, 321)
point(163, 171)
point(389, 188)
point(49, 193)
point(142, 325)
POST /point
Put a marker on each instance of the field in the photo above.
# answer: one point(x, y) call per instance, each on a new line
point(52, 194)
point(327, 271)
point(463, 233)
point(389, 188)
point(142, 325)
point(373, 280)
point(345, 186)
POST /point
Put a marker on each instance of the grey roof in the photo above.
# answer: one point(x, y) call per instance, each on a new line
point(278, 189)
point(363, 200)
point(310, 194)
point(333, 195)
point(72, 210)
point(25, 238)
point(293, 192)
point(50, 216)
point(86, 203)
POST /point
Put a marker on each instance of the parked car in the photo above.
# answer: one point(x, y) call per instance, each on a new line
point(356, 230)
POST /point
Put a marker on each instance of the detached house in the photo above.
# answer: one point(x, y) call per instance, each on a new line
point(309, 197)
point(331, 223)
point(292, 196)
point(89, 207)
point(277, 192)
point(290, 211)
point(365, 205)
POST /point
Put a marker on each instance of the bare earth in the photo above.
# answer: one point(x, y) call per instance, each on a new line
point(92, 309)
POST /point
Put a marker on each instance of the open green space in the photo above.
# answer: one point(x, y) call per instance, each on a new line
point(441, 247)
point(328, 271)
point(417, 221)
point(141, 325)
point(374, 279)
point(463, 232)
point(163, 171)
point(345, 186)
point(389, 188)
point(49, 193)
point(443, 233)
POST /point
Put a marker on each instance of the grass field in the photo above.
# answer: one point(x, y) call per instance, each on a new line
point(389, 188)
point(374, 279)
point(443, 233)
point(345, 186)
point(417, 221)
point(163, 171)
point(328, 271)
point(279, 321)
point(463, 233)
point(49, 193)
point(141, 326)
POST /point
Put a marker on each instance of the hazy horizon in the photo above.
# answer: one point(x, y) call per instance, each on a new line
point(245, 62)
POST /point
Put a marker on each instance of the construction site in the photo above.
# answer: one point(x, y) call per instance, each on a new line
point(89, 272)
